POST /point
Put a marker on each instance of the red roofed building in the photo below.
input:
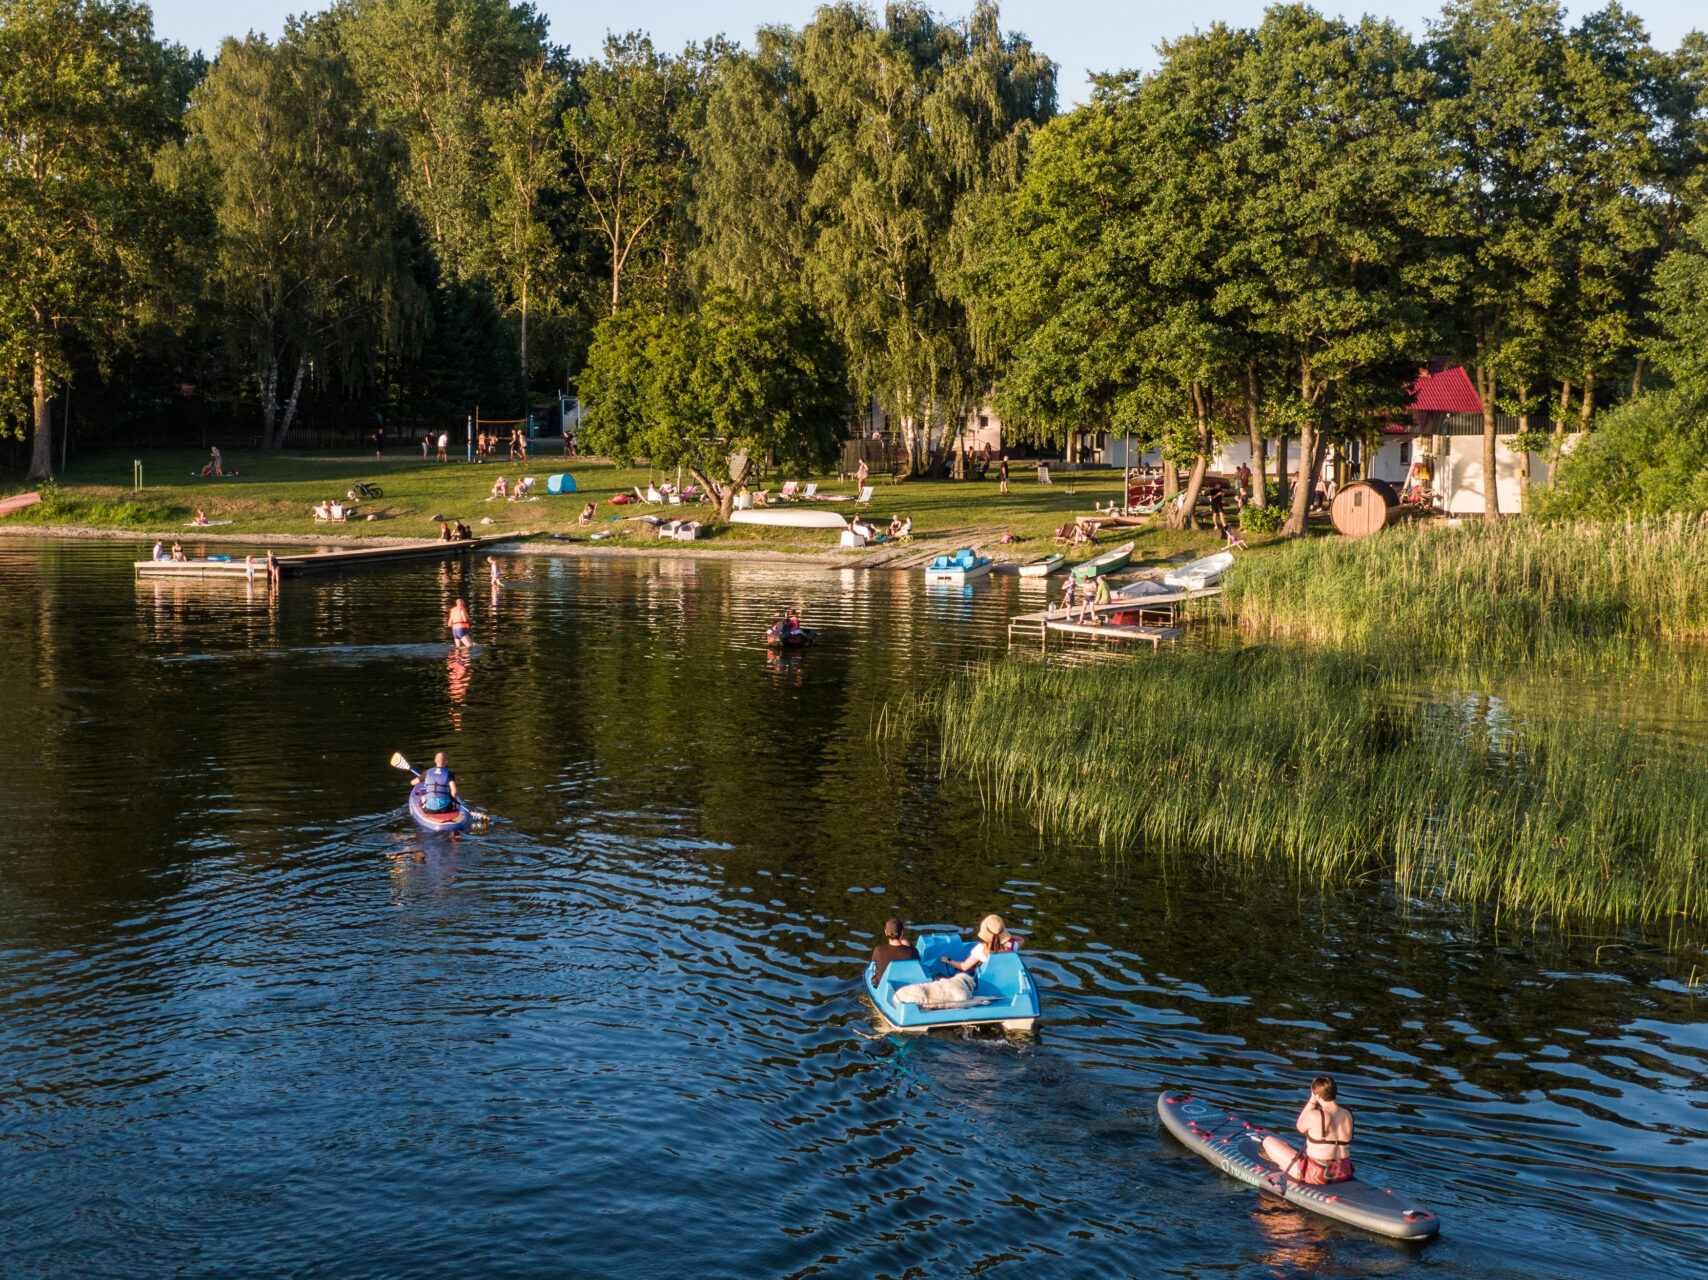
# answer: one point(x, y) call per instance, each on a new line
point(1449, 391)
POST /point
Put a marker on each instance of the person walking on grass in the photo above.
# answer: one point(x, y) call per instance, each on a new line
point(444, 446)
point(1002, 475)
point(1219, 512)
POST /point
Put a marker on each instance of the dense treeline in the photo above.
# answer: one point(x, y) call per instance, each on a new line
point(404, 208)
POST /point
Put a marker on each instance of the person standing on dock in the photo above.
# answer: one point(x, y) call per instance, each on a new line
point(458, 621)
point(1068, 596)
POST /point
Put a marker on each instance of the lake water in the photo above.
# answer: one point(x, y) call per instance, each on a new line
point(253, 1023)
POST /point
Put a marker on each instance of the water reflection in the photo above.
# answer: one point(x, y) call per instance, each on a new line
point(246, 1010)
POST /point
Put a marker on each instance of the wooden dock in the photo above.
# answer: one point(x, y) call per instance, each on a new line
point(1165, 609)
point(1109, 631)
point(320, 561)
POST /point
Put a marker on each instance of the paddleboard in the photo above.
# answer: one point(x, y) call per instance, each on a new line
point(1235, 1147)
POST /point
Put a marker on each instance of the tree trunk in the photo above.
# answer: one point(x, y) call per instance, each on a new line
point(1170, 476)
point(1254, 433)
point(1637, 378)
point(268, 377)
point(525, 396)
point(41, 452)
point(1560, 432)
point(273, 439)
point(1524, 458)
point(1184, 514)
point(1283, 490)
point(726, 497)
point(1588, 401)
point(1491, 473)
point(1313, 443)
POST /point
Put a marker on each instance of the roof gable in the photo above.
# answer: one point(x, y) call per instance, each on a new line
point(1449, 391)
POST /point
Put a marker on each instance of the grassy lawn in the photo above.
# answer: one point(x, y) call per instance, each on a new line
point(273, 494)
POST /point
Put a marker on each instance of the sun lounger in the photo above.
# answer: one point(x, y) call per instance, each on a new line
point(787, 492)
point(865, 498)
point(812, 491)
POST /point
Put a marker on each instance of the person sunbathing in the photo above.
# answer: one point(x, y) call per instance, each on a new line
point(864, 528)
point(1327, 1126)
point(499, 488)
point(178, 552)
point(587, 513)
point(201, 517)
point(323, 511)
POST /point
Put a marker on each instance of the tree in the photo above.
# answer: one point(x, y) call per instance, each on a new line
point(431, 69)
point(528, 173)
point(627, 136)
point(307, 267)
point(86, 95)
point(893, 133)
point(714, 390)
point(1329, 259)
point(1499, 120)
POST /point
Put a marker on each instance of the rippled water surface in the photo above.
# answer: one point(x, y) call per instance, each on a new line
point(252, 1023)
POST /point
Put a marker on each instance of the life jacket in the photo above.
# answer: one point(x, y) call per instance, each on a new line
point(436, 788)
point(459, 616)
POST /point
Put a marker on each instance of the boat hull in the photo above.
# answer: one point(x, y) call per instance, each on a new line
point(790, 518)
point(1201, 573)
point(1108, 562)
point(958, 574)
point(1005, 995)
point(1043, 568)
point(458, 819)
point(1235, 1147)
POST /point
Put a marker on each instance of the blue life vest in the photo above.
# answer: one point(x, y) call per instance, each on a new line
point(436, 789)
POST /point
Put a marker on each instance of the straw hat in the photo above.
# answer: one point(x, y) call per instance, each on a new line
point(993, 933)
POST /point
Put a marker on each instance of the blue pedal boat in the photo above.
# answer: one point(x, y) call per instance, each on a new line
point(1006, 995)
point(458, 819)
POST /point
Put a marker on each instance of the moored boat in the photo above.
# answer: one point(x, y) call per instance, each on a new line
point(960, 567)
point(1199, 574)
point(1005, 994)
point(1108, 562)
point(457, 819)
point(790, 518)
point(1043, 566)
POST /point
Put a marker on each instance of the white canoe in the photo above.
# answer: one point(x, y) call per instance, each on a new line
point(1201, 573)
point(1043, 566)
point(790, 517)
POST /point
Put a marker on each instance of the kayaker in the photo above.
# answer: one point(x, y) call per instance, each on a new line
point(458, 621)
point(1327, 1127)
point(993, 938)
point(893, 947)
point(439, 785)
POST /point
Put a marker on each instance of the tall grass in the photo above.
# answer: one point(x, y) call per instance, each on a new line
point(1330, 764)
point(1514, 591)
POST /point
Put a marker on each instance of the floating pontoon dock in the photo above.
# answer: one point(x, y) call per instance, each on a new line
point(320, 561)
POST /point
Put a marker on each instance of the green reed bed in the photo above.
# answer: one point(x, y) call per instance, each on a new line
point(1514, 591)
point(1333, 765)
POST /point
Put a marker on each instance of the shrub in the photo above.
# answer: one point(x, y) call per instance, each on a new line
point(1649, 457)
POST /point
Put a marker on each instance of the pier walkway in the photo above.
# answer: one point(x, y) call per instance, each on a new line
point(321, 561)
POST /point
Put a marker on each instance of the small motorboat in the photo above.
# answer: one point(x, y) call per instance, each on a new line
point(963, 566)
point(1043, 566)
point(1108, 562)
point(1005, 994)
point(1199, 574)
point(782, 636)
point(459, 819)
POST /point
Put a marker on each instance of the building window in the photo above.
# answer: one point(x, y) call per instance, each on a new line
point(1405, 453)
point(984, 420)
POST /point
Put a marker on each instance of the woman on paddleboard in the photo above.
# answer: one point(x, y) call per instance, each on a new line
point(458, 621)
point(1327, 1127)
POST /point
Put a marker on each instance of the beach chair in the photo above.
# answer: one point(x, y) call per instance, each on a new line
point(639, 496)
point(667, 529)
point(787, 492)
point(865, 498)
point(1234, 540)
point(1044, 475)
point(687, 531)
point(811, 492)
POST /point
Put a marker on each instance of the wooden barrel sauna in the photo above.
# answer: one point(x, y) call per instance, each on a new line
point(1364, 507)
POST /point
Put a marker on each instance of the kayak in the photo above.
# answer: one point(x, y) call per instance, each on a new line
point(1108, 562)
point(1235, 1147)
point(1043, 566)
point(1201, 573)
point(1005, 993)
point(798, 639)
point(458, 819)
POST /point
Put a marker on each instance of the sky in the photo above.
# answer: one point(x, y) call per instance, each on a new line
point(1081, 35)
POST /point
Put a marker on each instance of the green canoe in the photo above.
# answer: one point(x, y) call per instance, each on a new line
point(1108, 562)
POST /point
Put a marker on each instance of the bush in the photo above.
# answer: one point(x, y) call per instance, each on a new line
point(1262, 519)
point(1649, 457)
